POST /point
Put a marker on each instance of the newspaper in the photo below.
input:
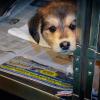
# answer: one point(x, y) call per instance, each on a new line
point(11, 43)
point(23, 33)
point(50, 62)
point(43, 75)
point(11, 46)
point(5, 56)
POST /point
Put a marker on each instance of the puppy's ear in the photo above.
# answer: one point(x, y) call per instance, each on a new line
point(34, 27)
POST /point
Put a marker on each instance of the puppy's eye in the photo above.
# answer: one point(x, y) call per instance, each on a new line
point(52, 29)
point(72, 26)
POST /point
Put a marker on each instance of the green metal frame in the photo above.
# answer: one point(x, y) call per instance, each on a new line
point(86, 54)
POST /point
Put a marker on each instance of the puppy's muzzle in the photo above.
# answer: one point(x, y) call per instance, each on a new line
point(64, 45)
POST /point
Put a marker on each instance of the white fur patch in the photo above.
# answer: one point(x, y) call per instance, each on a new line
point(52, 20)
point(69, 19)
point(69, 70)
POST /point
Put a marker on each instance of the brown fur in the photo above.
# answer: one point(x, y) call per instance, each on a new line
point(57, 9)
point(61, 6)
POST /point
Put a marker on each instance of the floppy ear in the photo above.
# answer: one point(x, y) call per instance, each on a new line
point(33, 25)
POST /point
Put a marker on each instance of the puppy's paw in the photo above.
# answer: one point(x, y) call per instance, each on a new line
point(69, 71)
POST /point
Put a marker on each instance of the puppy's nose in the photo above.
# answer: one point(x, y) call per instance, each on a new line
point(64, 45)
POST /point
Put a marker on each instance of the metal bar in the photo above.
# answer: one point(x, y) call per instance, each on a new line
point(98, 45)
point(94, 25)
point(88, 22)
point(86, 11)
point(93, 54)
point(90, 72)
point(76, 68)
point(76, 62)
point(98, 54)
point(81, 59)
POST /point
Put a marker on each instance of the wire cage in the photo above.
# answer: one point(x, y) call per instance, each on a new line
point(88, 52)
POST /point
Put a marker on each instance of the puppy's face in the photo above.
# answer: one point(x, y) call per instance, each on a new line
point(59, 33)
point(57, 24)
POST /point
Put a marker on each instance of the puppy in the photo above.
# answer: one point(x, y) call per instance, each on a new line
point(56, 23)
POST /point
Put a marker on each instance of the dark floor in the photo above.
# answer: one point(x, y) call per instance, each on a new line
point(5, 95)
